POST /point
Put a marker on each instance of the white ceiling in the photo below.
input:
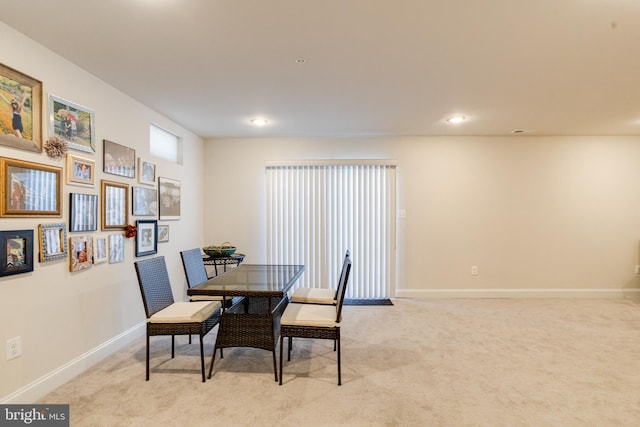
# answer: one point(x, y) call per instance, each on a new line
point(373, 67)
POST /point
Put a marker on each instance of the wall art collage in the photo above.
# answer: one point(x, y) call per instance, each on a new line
point(98, 215)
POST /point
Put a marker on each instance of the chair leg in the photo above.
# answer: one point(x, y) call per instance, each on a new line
point(289, 349)
point(339, 371)
point(189, 338)
point(213, 359)
point(334, 345)
point(147, 357)
point(281, 345)
point(275, 366)
point(173, 346)
point(202, 355)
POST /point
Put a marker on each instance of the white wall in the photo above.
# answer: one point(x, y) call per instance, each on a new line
point(69, 320)
point(539, 216)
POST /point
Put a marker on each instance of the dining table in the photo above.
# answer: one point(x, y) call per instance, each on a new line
point(259, 295)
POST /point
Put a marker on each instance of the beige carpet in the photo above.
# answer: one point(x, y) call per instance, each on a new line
point(462, 362)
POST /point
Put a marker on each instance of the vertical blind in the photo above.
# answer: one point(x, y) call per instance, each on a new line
point(317, 211)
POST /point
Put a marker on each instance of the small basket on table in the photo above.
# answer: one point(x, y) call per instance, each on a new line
point(224, 250)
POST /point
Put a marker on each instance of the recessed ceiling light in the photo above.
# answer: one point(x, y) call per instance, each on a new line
point(259, 122)
point(456, 119)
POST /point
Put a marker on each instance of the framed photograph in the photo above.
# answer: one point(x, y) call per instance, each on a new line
point(116, 248)
point(145, 201)
point(119, 160)
point(100, 249)
point(163, 233)
point(146, 172)
point(83, 212)
point(169, 198)
point(80, 171)
point(20, 110)
point(81, 249)
point(147, 237)
point(29, 189)
point(16, 252)
point(53, 241)
point(73, 123)
point(115, 205)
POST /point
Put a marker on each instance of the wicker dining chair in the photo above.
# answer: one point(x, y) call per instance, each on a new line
point(315, 321)
point(326, 296)
point(196, 273)
point(168, 317)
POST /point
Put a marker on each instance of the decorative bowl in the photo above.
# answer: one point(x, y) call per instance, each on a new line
point(219, 251)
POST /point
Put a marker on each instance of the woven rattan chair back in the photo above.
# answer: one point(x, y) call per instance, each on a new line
point(347, 256)
point(154, 284)
point(342, 286)
point(194, 268)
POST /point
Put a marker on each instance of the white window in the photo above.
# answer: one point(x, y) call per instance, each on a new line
point(164, 144)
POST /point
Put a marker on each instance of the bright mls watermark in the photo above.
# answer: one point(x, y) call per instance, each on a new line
point(34, 415)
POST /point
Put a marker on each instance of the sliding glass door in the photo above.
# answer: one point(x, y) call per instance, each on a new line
point(318, 210)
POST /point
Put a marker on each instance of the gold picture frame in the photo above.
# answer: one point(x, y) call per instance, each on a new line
point(20, 110)
point(80, 171)
point(115, 205)
point(29, 189)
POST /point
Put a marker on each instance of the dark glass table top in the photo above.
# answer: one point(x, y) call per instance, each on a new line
point(260, 280)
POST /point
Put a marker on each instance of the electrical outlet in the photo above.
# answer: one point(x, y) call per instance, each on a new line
point(474, 270)
point(14, 347)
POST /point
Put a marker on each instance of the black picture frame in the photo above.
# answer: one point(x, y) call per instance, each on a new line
point(146, 237)
point(83, 212)
point(16, 252)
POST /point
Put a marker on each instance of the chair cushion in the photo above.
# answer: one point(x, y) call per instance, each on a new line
point(309, 315)
point(314, 296)
point(185, 312)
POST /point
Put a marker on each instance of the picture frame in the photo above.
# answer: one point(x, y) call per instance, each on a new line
point(116, 248)
point(81, 249)
point(29, 189)
point(115, 205)
point(146, 172)
point(169, 195)
point(144, 201)
point(53, 241)
point(118, 159)
point(83, 212)
point(163, 233)
point(24, 129)
point(16, 252)
point(146, 237)
point(72, 122)
point(80, 171)
point(100, 249)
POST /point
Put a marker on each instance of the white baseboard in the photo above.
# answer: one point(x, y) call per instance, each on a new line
point(517, 293)
point(49, 382)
